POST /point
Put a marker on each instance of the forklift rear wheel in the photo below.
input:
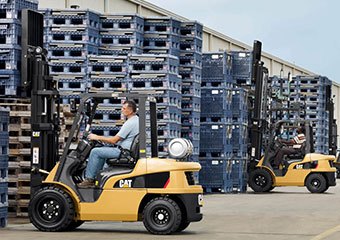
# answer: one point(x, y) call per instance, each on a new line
point(316, 183)
point(260, 180)
point(51, 209)
point(162, 216)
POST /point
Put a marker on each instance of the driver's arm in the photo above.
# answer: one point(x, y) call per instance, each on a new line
point(288, 142)
point(109, 140)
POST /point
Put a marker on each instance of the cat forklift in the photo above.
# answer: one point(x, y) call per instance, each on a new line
point(313, 170)
point(138, 186)
point(304, 168)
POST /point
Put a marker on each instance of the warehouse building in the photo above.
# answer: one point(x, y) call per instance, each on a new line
point(212, 40)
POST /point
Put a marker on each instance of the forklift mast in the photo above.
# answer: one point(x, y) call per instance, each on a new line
point(332, 126)
point(259, 112)
point(44, 98)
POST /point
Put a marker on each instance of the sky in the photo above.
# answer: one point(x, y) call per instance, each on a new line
point(303, 32)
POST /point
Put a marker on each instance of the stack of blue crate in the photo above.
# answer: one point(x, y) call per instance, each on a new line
point(10, 44)
point(239, 139)
point(107, 73)
point(121, 34)
point(4, 141)
point(161, 36)
point(215, 132)
point(190, 69)
point(242, 67)
point(311, 91)
point(160, 74)
point(70, 36)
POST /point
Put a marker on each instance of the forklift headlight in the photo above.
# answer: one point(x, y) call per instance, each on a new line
point(180, 148)
point(200, 199)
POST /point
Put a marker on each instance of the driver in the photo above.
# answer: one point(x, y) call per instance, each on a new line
point(123, 138)
point(293, 146)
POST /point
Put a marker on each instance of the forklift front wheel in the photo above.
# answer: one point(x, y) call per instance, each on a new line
point(260, 180)
point(162, 215)
point(51, 209)
point(316, 183)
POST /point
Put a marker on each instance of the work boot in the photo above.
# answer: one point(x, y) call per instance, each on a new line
point(87, 183)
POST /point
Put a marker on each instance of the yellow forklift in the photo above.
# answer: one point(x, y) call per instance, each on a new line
point(313, 170)
point(139, 186)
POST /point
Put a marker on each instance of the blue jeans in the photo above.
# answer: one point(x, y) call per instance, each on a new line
point(98, 158)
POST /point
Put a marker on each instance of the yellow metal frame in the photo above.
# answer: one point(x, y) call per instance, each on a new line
point(122, 204)
point(296, 175)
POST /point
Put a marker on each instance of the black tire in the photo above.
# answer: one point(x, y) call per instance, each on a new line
point(162, 216)
point(51, 209)
point(260, 180)
point(316, 183)
point(183, 226)
point(73, 225)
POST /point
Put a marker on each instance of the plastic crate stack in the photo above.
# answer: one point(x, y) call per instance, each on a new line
point(10, 44)
point(239, 138)
point(215, 132)
point(161, 36)
point(121, 34)
point(159, 73)
point(70, 36)
point(242, 67)
point(310, 91)
point(190, 69)
point(4, 140)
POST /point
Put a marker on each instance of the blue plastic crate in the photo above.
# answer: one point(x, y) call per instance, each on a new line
point(124, 22)
point(108, 65)
point(161, 25)
point(72, 36)
point(11, 9)
point(241, 64)
point(191, 118)
point(161, 45)
point(3, 168)
point(192, 133)
point(119, 50)
point(56, 50)
point(215, 137)
point(193, 59)
point(3, 216)
point(190, 73)
point(71, 17)
point(161, 81)
point(10, 59)
point(239, 175)
point(153, 64)
point(215, 173)
point(216, 65)
point(192, 89)
point(3, 194)
point(10, 34)
point(192, 29)
point(190, 44)
point(191, 103)
point(73, 68)
point(216, 102)
point(132, 39)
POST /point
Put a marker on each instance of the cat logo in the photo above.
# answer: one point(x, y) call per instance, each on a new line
point(125, 183)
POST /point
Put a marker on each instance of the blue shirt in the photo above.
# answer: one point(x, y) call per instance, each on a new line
point(128, 132)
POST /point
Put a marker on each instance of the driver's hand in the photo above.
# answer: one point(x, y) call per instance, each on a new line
point(92, 136)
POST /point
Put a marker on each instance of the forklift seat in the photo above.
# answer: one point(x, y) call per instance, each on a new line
point(127, 157)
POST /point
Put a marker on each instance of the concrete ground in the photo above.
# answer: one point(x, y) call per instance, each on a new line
point(286, 213)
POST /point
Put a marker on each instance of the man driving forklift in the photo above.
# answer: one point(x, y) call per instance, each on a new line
point(292, 146)
point(123, 139)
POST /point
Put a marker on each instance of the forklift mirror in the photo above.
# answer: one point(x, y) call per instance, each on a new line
point(73, 106)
